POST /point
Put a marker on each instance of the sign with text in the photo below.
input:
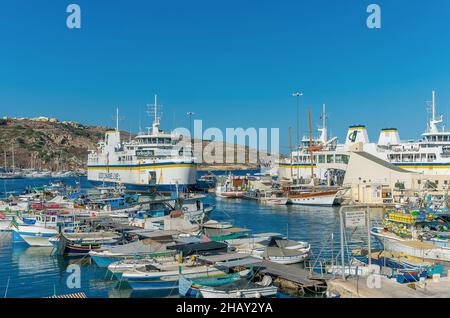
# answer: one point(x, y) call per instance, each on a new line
point(355, 219)
point(144, 153)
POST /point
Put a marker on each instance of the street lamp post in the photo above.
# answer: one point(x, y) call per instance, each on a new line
point(297, 95)
point(190, 114)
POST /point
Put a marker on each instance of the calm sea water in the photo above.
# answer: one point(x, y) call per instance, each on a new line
point(33, 272)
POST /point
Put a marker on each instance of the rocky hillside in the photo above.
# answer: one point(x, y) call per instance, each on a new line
point(46, 143)
point(51, 144)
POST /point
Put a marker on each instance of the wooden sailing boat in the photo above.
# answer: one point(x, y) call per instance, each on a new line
point(311, 194)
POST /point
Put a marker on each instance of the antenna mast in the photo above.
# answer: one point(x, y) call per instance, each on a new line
point(433, 105)
point(155, 126)
point(117, 119)
point(434, 121)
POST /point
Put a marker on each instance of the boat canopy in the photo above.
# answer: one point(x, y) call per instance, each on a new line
point(199, 248)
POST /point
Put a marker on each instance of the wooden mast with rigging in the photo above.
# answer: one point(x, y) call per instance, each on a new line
point(311, 148)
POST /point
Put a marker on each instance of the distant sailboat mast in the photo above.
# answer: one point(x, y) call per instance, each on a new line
point(6, 164)
point(324, 130)
point(13, 163)
point(117, 119)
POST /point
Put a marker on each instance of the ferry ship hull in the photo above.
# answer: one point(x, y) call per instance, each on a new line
point(162, 176)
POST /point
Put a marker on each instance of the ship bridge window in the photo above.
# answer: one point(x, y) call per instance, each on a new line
point(321, 158)
point(330, 159)
point(345, 159)
point(339, 159)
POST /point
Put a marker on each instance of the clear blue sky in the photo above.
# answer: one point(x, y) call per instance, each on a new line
point(234, 63)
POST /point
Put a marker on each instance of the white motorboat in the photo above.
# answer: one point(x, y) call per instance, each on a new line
point(248, 290)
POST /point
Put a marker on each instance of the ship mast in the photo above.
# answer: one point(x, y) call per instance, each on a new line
point(434, 121)
point(310, 144)
point(323, 130)
point(156, 119)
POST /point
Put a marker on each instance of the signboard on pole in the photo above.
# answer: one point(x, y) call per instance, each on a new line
point(355, 219)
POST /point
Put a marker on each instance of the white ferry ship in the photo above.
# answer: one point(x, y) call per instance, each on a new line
point(152, 159)
point(430, 155)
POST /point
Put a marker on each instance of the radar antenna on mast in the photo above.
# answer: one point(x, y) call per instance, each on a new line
point(434, 121)
point(153, 111)
point(116, 118)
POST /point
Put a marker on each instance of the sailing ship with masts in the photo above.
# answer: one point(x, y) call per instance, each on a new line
point(312, 193)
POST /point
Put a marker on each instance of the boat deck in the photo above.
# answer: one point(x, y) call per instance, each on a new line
point(414, 244)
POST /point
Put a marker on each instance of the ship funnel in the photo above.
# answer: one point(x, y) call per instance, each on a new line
point(356, 134)
point(389, 136)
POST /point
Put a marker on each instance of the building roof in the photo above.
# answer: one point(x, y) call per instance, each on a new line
point(381, 162)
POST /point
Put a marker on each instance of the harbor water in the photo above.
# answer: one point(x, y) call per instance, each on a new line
point(34, 272)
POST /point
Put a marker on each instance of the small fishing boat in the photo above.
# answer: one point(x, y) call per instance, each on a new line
point(247, 289)
point(5, 225)
point(212, 224)
point(149, 247)
point(281, 255)
point(413, 247)
point(274, 198)
point(191, 287)
point(166, 279)
point(278, 250)
point(225, 234)
point(75, 244)
point(222, 192)
point(232, 187)
point(394, 260)
point(142, 264)
point(206, 182)
point(47, 225)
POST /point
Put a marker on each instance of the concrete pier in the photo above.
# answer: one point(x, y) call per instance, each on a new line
point(358, 288)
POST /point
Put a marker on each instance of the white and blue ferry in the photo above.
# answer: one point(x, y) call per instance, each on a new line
point(152, 159)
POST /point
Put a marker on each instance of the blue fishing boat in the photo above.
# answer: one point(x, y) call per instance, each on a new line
point(154, 279)
point(190, 287)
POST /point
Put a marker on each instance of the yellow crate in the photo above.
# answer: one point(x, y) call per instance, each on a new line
point(400, 217)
